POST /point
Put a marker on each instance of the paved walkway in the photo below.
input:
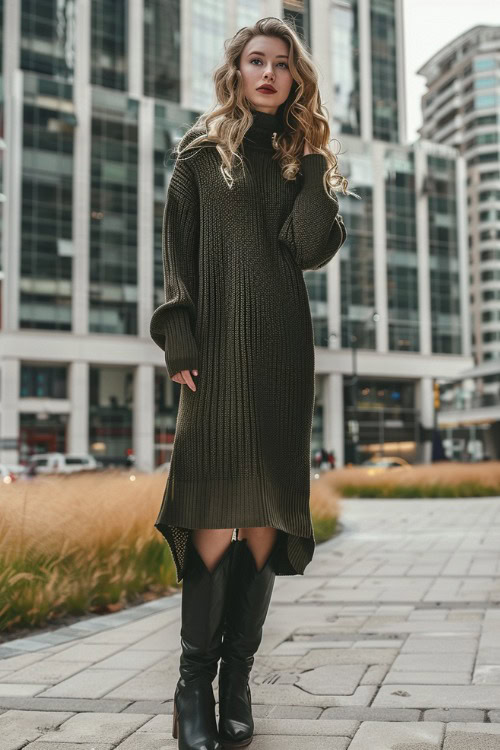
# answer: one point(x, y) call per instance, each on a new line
point(390, 641)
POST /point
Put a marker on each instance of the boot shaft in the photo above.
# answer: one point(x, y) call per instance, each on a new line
point(203, 609)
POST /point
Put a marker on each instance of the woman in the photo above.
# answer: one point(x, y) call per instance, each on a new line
point(240, 227)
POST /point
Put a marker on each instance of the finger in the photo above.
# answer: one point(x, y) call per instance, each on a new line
point(188, 379)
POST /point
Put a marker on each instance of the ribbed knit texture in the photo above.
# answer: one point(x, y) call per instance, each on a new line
point(237, 310)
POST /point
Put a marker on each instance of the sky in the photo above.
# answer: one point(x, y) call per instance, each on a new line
point(429, 26)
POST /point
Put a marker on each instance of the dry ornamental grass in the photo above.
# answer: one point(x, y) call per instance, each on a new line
point(443, 479)
point(87, 543)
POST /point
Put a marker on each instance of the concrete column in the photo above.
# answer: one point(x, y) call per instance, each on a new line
point(186, 74)
point(271, 8)
point(333, 296)
point(320, 26)
point(380, 248)
point(135, 57)
point(426, 404)
point(81, 172)
point(9, 409)
point(400, 72)
point(143, 420)
point(145, 218)
point(333, 426)
point(424, 272)
point(12, 79)
point(78, 431)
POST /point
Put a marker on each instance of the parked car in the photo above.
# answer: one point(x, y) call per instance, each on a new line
point(61, 463)
point(379, 464)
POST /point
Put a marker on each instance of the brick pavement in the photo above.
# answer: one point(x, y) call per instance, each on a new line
point(390, 641)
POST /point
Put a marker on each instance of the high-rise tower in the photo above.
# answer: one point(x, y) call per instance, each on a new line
point(461, 107)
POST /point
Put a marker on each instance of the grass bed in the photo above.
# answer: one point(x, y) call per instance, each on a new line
point(443, 479)
point(87, 544)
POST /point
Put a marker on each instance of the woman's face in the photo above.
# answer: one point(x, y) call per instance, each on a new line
point(264, 60)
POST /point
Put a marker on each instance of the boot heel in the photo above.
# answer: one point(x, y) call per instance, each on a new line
point(175, 723)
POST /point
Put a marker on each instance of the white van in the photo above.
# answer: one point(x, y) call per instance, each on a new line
point(62, 463)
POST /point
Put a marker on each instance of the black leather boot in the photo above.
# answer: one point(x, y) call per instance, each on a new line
point(203, 602)
point(249, 596)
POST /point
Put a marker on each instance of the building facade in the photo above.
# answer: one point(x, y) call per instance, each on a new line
point(469, 414)
point(461, 108)
point(91, 108)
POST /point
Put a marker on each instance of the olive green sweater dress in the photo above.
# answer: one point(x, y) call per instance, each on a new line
point(237, 310)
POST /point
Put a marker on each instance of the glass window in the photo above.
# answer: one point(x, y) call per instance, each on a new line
point(484, 63)
point(113, 214)
point(402, 272)
point(48, 37)
point(297, 12)
point(162, 49)
point(485, 100)
point(344, 35)
point(485, 83)
point(357, 283)
point(110, 413)
point(43, 381)
point(167, 395)
point(316, 282)
point(42, 432)
point(208, 32)
point(384, 70)
point(108, 59)
point(443, 256)
point(170, 124)
point(46, 263)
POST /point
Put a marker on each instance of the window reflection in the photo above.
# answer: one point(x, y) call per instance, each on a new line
point(108, 39)
point(402, 262)
point(48, 37)
point(162, 49)
point(443, 256)
point(345, 66)
point(47, 210)
point(110, 412)
point(113, 214)
point(357, 282)
point(384, 70)
point(43, 381)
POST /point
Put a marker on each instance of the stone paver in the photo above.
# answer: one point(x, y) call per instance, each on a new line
point(391, 641)
point(383, 735)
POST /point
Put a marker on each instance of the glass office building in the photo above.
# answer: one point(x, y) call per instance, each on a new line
point(461, 107)
point(94, 97)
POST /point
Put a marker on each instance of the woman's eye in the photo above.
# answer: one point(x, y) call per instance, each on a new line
point(256, 59)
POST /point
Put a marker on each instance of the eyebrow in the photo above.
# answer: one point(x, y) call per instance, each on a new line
point(263, 55)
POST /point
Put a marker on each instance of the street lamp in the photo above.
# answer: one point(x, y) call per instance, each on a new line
point(373, 317)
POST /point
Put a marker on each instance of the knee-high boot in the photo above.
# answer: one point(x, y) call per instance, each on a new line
point(203, 603)
point(249, 596)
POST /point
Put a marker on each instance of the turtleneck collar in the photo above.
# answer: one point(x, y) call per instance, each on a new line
point(260, 132)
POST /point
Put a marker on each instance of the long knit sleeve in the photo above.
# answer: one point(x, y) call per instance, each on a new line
point(172, 324)
point(314, 230)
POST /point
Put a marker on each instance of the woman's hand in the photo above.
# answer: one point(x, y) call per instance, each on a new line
point(184, 376)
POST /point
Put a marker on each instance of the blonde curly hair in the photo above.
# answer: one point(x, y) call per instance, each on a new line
point(302, 112)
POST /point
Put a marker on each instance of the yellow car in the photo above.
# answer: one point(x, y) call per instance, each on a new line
point(378, 464)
